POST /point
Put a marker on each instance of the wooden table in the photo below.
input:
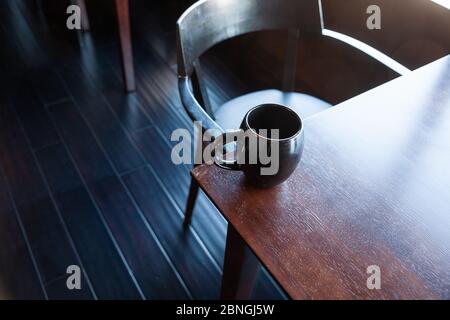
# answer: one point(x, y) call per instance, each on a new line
point(126, 50)
point(373, 188)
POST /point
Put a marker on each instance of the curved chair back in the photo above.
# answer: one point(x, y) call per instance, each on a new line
point(209, 22)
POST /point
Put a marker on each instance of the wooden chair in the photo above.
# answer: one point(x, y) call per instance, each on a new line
point(209, 22)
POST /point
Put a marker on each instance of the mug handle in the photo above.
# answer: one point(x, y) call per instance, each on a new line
point(219, 160)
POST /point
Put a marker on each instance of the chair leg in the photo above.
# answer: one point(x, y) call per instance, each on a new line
point(192, 197)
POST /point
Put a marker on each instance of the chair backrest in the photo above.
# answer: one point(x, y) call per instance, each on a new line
point(209, 22)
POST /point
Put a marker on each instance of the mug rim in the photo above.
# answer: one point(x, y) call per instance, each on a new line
point(277, 105)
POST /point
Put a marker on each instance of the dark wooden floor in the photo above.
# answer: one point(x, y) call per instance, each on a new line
point(85, 170)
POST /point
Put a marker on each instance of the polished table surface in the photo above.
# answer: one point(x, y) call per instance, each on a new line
point(372, 188)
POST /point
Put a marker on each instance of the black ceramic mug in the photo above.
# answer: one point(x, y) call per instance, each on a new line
point(269, 133)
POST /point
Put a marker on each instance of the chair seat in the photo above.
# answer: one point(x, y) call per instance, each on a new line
point(230, 114)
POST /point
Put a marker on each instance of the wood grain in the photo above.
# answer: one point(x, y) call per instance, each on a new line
point(371, 189)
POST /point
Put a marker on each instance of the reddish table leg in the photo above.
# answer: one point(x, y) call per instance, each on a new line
point(123, 17)
point(84, 16)
point(240, 268)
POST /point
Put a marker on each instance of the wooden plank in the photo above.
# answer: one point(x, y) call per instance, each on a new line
point(89, 158)
point(57, 289)
point(47, 85)
point(105, 77)
point(148, 259)
point(101, 119)
point(200, 274)
point(106, 270)
point(45, 232)
point(39, 128)
point(17, 272)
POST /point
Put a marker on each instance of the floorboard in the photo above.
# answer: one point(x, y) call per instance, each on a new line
point(102, 261)
point(36, 122)
point(49, 243)
point(190, 256)
point(18, 274)
point(153, 267)
point(94, 109)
